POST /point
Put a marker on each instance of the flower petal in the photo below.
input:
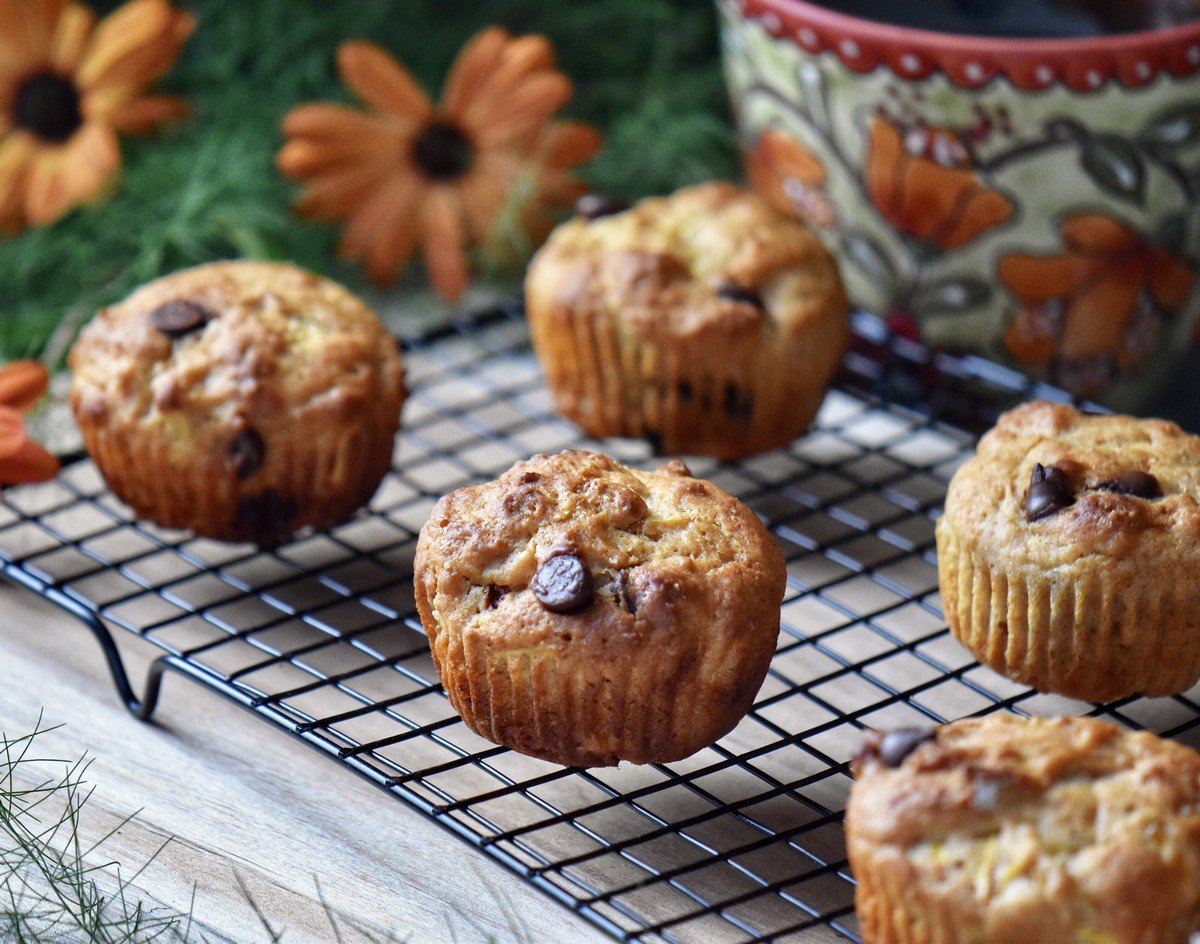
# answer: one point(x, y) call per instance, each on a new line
point(71, 34)
point(445, 238)
point(22, 384)
point(886, 162)
point(339, 194)
point(981, 209)
point(1097, 315)
point(30, 463)
point(325, 121)
point(484, 192)
point(382, 232)
point(525, 110)
point(12, 431)
point(27, 32)
point(932, 197)
point(475, 62)
point(568, 143)
point(1034, 279)
point(143, 115)
point(135, 44)
point(15, 153)
point(1095, 232)
point(382, 82)
point(71, 174)
point(1170, 280)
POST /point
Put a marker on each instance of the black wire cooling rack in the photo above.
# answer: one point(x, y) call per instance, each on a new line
point(741, 842)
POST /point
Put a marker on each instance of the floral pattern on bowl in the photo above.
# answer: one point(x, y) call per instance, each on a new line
point(1038, 207)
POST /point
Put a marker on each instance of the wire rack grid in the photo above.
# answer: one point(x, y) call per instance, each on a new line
point(740, 842)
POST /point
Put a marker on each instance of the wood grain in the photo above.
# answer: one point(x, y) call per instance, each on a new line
point(239, 799)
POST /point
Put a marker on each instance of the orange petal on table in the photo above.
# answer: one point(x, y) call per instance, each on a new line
point(143, 115)
point(71, 34)
point(526, 110)
point(71, 174)
point(886, 163)
point(1097, 233)
point(1097, 315)
point(379, 80)
point(30, 463)
point(445, 256)
point(1170, 280)
point(135, 44)
point(22, 384)
point(472, 68)
point(980, 211)
point(1034, 278)
point(12, 431)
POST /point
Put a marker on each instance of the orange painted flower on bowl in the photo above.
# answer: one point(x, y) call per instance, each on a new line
point(791, 176)
point(22, 384)
point(403, 172)
point(67, 85)
point(923, 181)
point(1099, 304)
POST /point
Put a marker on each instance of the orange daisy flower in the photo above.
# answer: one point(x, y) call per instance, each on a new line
point(22, 384)
point(67, 86)
point(924, 183)
point(791, 176)
point(404, 172)
point(1097, 305)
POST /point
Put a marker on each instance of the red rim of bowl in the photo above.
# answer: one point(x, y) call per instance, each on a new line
point(1084, 63)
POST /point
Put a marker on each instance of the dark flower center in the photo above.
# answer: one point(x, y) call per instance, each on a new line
point(442, 151)
point(48, 105)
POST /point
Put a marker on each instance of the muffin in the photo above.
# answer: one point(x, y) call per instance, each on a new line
point(706, 321)
point(1002, 830)
point(587, 613)
point(240, 400)
point(1067, 551)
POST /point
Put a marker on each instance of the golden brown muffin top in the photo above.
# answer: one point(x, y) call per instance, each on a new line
point(665, 553)
point(1029, 830)
point(1113, 487)
point(714, 257)
point(234, 344)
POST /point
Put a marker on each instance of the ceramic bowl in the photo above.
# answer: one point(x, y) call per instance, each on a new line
point(1031, 200)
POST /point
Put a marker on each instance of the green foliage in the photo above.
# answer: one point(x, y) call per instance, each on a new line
point(646, 74)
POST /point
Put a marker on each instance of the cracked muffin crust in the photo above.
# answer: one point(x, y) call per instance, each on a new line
point(241, 400)
point(587, 613)
point(1067, 551)
point(705, 321)
point(1003, 830)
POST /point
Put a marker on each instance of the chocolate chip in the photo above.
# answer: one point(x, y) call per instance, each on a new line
point(592, 206)
point(1049, 491)
point(563, 584)
point(495, 592)
point(739, 293)
point(1132, 482)
point(896, 745)
point(266, 518)
point(179, 317)
point(246, 453)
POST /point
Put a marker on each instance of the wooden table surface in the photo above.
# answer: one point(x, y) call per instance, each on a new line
point(239, 799)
